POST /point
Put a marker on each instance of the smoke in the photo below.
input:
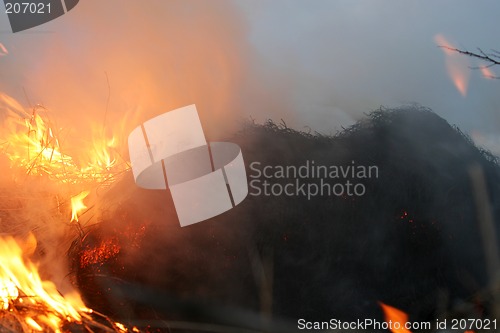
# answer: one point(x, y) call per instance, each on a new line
point(319, 65)
point(146, 59)
point(349, 57)
point(113, 64)
point(108, 66)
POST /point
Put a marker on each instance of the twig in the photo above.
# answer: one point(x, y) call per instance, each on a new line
point(482, 55)
point(490, 58)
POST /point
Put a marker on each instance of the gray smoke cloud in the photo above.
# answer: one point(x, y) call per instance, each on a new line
point(348, 57)
point(157, 56)
point(317, 65)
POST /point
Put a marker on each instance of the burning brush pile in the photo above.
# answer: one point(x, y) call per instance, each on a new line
point(43, 189)
point(418, 244)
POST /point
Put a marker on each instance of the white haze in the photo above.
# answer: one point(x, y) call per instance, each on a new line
point(349, 57)
point(316, 64)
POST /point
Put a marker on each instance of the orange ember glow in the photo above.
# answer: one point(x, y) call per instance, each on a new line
point(106, 250)
point(394, 315)
point(20, 284)
point(77, 205)
point(456, 65)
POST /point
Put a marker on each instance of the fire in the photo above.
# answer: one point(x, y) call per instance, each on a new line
point(33, 146)
point(7, 290)
point(394, 315)
point(32, 142)
point(487, 72)
point(3, 50)
point(456, 65)
point(102, 158)
point(77, 205)
point(21, 286)
point(35, 304)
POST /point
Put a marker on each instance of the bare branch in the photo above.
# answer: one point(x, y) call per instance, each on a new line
point(492, 59)
point(481, 55)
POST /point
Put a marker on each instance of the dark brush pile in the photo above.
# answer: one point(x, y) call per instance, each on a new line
point(412, 241)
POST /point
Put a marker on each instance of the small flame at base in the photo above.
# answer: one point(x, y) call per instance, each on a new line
point(20, 282)
point(31, 142)
point(393, 315)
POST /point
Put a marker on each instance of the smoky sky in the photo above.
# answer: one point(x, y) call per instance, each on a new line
point(347, 57)
point(317, 65)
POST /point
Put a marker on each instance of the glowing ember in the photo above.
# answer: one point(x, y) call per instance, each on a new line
point(121, 327)
point(394, 315)
point(77, 205)
point(109, 247)
point(405, 216)
point(456, 65)
point(106, 250)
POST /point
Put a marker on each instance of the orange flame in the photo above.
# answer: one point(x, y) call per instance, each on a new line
point(77, 205)
point(32, 143)
point(101, 161)
point(20, 282)
point(456, 65)
point(3, 50)
point(487, 73)
point(394, 315)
